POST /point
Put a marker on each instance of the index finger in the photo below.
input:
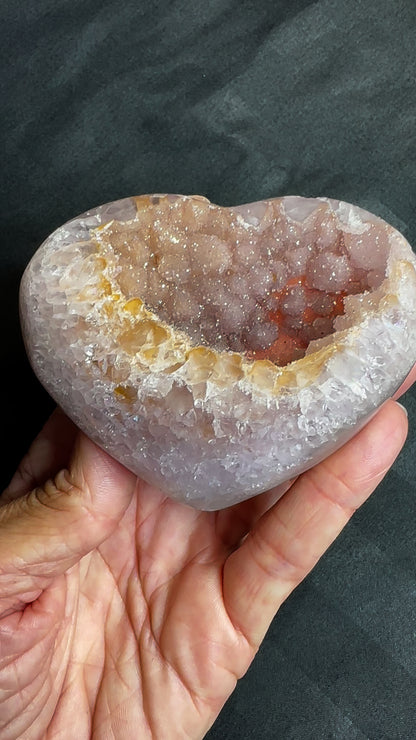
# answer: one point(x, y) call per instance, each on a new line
point(290, 538)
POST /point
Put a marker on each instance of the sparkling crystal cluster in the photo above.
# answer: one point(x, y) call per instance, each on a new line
point(220, 351)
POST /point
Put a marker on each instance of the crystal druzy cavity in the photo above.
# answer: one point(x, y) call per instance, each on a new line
point(217, 351)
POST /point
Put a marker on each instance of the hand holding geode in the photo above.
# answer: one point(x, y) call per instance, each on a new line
point(217, 352)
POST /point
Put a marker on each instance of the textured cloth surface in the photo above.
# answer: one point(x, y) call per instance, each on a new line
point(237, 100)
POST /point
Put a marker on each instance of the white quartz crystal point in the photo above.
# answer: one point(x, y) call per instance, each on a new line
point(218, 352)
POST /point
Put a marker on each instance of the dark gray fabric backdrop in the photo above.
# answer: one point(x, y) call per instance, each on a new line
point(236, 100)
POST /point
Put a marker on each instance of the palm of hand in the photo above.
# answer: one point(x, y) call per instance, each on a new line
point(152, 629)
point(148, 628)
point(139, 623)
point(138, 617)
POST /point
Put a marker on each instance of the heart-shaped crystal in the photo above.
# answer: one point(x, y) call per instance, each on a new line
point(217, 351)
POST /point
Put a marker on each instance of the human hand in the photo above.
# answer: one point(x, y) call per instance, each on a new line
point(124, 614)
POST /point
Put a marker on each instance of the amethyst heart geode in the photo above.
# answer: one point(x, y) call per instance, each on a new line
point(217, 352)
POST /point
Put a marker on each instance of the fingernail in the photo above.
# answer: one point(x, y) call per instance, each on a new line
point(403, 407)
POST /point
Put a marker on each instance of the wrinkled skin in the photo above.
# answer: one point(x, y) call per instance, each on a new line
point(127, 615)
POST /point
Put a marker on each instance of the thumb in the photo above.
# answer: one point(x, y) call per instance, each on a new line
point(45, 532)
